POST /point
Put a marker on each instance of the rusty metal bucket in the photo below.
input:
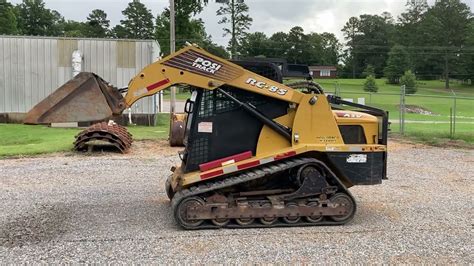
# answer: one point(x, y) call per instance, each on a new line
point(85, 98)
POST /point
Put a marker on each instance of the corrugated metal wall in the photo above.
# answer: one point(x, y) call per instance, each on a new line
point(33, 67)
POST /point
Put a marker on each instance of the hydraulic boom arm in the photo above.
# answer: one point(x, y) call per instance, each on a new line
point(196, 67)
point(87, 97)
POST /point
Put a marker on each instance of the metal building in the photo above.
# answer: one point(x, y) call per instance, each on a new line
point(33, 67)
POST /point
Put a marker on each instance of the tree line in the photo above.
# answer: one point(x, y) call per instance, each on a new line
point(430, 41)
point(33, 18)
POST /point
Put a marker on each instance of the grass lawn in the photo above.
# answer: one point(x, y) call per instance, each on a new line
point(180, 96)
point(18, 140)
point(388, 98)
point(27, 140)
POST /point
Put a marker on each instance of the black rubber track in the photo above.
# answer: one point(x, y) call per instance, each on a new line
point(253, 174)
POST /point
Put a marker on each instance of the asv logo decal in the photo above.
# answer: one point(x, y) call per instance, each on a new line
point(263, 85)
point(206, 65)
point(348, 115)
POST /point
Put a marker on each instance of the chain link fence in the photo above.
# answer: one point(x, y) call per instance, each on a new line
point(446, 116)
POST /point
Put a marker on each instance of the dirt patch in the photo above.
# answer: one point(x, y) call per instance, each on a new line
point(41, 225)
point(415, 109)
point(152, 148)
point(397, 142)
point(401, 144)
point(139, 148)
point(453, 144)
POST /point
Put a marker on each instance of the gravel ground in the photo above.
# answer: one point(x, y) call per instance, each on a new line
point(73, 208)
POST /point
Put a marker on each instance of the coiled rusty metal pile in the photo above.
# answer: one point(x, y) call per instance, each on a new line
point(110, 132)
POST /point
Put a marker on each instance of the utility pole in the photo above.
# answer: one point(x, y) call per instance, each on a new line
point(233, 30)
point(446, 70)
point(172, 50)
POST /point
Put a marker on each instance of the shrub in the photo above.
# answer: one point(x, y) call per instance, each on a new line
point(368, 71)
point(397, 63)
point(409, 80)
point(370, 85)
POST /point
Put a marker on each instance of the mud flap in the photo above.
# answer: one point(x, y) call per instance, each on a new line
point(85, 98)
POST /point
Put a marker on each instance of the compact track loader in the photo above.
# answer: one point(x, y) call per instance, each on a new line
point(258, 153)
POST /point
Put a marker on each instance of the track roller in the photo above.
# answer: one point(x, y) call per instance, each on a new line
point(345, 201)
point(181, 213)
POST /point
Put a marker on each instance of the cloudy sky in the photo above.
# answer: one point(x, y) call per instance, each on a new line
point(269, 16)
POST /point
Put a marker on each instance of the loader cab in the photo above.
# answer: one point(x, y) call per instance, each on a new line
point(217, 127)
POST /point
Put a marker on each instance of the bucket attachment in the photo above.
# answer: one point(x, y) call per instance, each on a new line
point(85, 98)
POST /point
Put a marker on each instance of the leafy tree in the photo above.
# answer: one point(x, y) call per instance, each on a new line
point(35, 19)
point(351, 32)
point(295, 46)
point(73, 28)
point(214, 48)
point(467, 55)
point(409, 81)
point(398, 62)
point(370, 85)
point(368, 71)
point(368, 39)
point(187, 29)
point(446, 25)
point(193, 32)
point(119, 32)
point(57, 28)
point(254, 44)
point(190, 30)
point(321, 49)
point(411, 34)
point(138, 22)
point(331, 49)
point(8, 21)
point(235, 13)
point(97, 25)
point(409, 29)
point(278, 45)
point(314, 43)
point(374, 45)
point(298, 52)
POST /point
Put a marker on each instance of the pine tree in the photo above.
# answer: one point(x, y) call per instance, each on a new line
point(409, 81)
point(119, 32)
point(235, 13)
point(351, 32)
point(97, 24)
point(138, 22)
point(368, 71)
point(370, 84)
